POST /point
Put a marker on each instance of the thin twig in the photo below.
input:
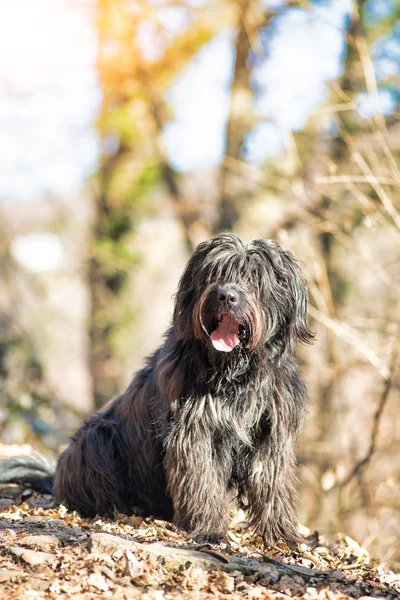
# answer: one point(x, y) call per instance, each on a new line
point(381, 216)
point(349, 335)
point(356, 179)
point(372, 89)
point(388, 382)
point(376, 186)
point(331, 108)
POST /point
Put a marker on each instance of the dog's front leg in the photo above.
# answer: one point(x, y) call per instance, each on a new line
point(198, 472)
point(271, 491)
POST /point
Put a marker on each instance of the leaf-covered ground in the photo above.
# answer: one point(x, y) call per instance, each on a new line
point(46, 552)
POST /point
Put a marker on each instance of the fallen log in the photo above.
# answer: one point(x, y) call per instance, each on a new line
point(175, 557)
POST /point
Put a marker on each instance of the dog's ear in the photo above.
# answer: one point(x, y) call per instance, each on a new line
point(284, 291)
point(185, 296)
point(183, 308)
point(299, 300)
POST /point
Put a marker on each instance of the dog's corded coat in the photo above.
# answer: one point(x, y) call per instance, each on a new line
point(215, 412)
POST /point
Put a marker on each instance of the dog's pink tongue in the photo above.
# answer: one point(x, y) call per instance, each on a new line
point(225, 337)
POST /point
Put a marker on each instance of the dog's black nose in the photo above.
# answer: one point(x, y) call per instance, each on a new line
point(227, 295)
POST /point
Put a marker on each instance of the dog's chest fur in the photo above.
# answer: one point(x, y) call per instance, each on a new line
point(230, 412)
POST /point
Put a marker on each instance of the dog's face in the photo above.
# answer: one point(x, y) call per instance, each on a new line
point(237, 295)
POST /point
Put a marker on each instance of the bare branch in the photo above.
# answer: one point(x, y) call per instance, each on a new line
point(357, 179)
point(350, 336)
point(376, 186)
point(361, 464)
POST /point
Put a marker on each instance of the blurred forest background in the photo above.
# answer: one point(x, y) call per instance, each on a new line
point(130, 130)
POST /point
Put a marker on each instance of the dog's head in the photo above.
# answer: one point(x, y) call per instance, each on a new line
point(237, 295)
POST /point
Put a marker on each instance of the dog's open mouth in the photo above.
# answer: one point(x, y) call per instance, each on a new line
point(226, 336)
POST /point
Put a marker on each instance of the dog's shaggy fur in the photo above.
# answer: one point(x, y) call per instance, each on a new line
point(217, 409)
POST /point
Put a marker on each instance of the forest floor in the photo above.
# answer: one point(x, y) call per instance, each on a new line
point(47, 552)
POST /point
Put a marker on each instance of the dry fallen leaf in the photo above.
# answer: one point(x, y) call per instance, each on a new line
point(98, 581)
point(31, 557)
point(194, 578)
point(71, 588)
point(256, 593)
point(133, 565)
point(134, 521)
point(55, 587)
point(5, 575)
point(154, 595)
point(222, 583)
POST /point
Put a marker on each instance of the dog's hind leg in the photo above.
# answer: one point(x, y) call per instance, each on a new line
point(88, 475)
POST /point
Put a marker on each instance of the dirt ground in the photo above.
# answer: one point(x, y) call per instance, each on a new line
point(47, 552)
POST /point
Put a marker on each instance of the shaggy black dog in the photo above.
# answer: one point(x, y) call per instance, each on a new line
point(216, 411)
